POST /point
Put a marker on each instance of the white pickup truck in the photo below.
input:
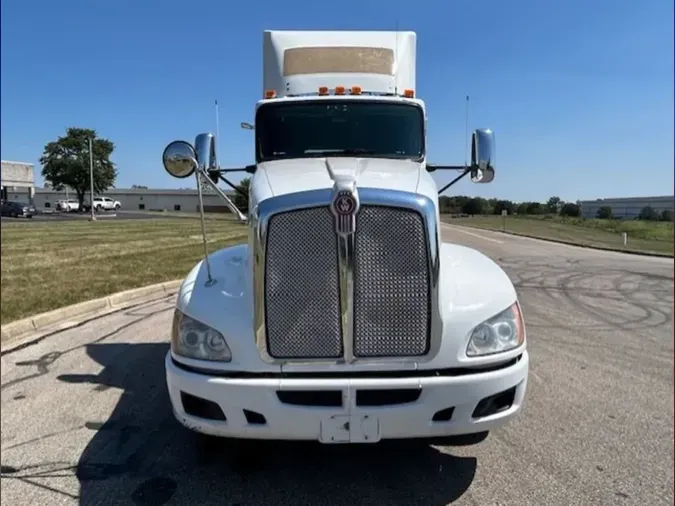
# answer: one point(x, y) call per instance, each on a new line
point(67, 206)
point(345, 318)
point(102, 204)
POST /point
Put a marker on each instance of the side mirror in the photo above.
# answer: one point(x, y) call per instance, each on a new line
point(180, 159)
point(205, 147)
point(482, 156)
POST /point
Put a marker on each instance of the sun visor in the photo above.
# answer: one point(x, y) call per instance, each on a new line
point(300, 62)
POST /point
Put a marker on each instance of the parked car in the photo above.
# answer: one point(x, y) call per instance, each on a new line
point(67, 206)
point(102, 204)
point(17, 209)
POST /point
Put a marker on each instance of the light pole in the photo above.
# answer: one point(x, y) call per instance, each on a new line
point(91, 181)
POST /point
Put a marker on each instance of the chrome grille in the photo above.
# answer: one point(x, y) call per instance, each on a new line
point(302, 289)
point(391, 283)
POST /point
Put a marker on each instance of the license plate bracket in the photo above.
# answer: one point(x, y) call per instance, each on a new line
point(341, 429)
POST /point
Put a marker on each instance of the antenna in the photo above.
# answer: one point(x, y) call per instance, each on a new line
point(466, 133)
point(209, 279)
point(217, 136)
point(395, 59)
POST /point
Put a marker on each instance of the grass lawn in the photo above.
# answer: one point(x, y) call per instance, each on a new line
point(643, 236)
point(50, 265)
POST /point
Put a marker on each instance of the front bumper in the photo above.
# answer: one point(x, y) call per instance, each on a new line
point(344, 410)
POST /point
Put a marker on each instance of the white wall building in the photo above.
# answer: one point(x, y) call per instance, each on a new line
point(134, 199)
point(17, 178)
point(628, 207)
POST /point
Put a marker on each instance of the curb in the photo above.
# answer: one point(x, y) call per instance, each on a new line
point(570, 243)
point(87, 216)
point(69, 316)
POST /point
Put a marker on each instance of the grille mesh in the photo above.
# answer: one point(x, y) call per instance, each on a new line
point(302, 290)
point(391, 284)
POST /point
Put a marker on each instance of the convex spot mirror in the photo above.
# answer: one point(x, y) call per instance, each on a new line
point(179, 159)
point(482, 156)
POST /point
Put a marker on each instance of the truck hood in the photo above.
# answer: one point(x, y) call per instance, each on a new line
point(304, 174)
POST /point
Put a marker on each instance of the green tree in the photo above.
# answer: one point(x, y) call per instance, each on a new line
point(605, 213)
point(553, 205)
point(666, 215)
point(501, 205)
point(570, 209)
point(473, 206)
point(239, 200)
point(65, 162)
point(647, 213)
point(534, 208)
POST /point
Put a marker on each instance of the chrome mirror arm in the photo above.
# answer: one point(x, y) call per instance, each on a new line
point(205, 147)
point(235, 210)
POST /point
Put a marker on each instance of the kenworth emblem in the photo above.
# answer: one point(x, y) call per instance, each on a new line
point(345, 203)
point(344, 207)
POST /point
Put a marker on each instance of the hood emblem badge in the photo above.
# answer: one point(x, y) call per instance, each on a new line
point(345, 202)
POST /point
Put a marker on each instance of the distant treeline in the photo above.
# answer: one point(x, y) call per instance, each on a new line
point(477, 205)
point(463, 205)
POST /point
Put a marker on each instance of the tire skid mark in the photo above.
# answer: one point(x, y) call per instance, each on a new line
point(617, 299)
point(44, 362)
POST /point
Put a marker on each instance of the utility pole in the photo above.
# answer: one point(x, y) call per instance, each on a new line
point(91, 180)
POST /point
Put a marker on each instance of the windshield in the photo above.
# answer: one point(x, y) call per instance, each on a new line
point(339, 128)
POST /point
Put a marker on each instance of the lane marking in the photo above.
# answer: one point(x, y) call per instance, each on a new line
point(460, 229)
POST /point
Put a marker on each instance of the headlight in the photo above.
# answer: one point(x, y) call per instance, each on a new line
point(502, 332)
point(191, 338)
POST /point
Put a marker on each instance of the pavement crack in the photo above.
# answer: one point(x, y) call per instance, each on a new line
point(40, 438)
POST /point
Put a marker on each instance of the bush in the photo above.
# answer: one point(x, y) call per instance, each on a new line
point(648, 214)
point(570, 209)
point(605, 213)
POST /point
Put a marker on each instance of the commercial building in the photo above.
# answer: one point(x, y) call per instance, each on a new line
point(627, 207)
point(18, 179)
point(133, 199)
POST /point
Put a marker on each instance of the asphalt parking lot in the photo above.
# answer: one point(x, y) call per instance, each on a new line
point(86, 417)
point(112, 215)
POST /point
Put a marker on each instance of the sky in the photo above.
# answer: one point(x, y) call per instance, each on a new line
point(579, 93)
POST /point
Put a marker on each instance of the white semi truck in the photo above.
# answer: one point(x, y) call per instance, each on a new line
point(346, 318)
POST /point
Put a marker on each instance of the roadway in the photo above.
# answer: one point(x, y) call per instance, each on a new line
point(86, 418)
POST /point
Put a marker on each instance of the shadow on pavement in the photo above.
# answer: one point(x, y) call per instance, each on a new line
point(142, 456)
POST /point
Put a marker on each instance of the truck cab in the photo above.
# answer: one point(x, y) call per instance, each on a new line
point(345, 318)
